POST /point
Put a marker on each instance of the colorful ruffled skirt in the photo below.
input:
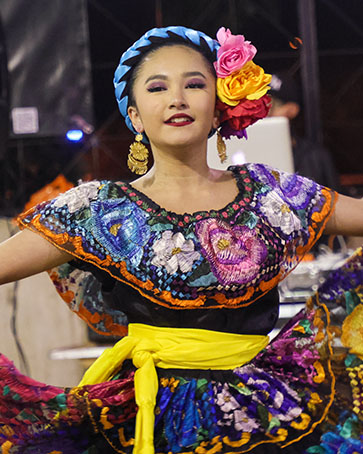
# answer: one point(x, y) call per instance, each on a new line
point(302, 393)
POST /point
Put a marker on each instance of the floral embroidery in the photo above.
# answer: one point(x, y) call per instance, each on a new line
point(225, 400)
point(121, 228)
point(235, 253)
point(232, 255)
point(78, 197)
point(292, 187)
point(279, 214)
point(174, 252)
point(231, 411)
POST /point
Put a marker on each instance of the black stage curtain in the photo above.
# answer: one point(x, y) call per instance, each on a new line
point(48, 61)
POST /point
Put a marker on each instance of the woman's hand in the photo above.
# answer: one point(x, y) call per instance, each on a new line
point(347, 218)
point(27, 253)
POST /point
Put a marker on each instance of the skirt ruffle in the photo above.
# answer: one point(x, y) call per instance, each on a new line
point(302, 393)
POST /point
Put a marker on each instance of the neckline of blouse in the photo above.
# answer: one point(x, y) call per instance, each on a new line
point(243, 198)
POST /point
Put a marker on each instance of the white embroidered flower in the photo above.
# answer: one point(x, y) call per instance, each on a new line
point(243, 422)
point(226, 401)
point(173, 252)
point(78, 197)
point(279, 214)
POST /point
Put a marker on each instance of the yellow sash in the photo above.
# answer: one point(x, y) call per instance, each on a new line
point(168, 348)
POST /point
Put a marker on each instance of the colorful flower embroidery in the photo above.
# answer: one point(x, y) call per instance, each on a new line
point(292, 187)
point(121, 228)
point(279, 214)
point(174, 252)
point(225, 400)
point(78, 197)
point(235, 254)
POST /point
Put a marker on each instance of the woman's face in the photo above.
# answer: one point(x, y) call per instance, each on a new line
point(175, 95)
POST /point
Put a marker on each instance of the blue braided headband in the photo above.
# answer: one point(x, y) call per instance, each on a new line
point(131, 57)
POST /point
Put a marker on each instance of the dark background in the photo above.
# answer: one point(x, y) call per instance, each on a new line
point(113, 25)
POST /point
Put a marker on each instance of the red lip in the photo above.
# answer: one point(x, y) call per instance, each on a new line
point(180, 123)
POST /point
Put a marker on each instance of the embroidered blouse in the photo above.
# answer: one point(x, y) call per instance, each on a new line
point(134, 258)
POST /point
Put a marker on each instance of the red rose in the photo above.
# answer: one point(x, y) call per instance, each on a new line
point(245, 113)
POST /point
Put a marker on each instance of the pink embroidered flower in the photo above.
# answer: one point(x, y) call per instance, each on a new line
point(234, 52)
point(174, 252)
point(235, 254)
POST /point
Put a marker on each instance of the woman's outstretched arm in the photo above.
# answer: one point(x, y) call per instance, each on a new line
point(347, 218)
point(27, 253)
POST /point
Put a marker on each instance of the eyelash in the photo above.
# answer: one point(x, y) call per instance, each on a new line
point(192, 85)
point(155, 89)
point(199, 85)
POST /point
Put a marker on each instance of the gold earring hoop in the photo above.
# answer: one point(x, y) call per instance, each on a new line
point(137, 158)
point(221, 148)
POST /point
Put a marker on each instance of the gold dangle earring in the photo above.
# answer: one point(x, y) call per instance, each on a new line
point(137, 158)
point(221, 148)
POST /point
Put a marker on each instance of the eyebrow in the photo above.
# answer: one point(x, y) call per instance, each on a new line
point(163, 77)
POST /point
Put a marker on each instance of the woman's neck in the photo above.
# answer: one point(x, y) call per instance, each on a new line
point(177, 168)
point(183, 183)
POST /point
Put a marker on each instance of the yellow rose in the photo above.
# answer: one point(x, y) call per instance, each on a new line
point(250, 82)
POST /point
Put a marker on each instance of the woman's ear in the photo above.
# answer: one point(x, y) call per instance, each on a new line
point(215, 121)
point(135, 119)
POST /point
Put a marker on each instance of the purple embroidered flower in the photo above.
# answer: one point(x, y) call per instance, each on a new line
point(174, 252)
point(272, 393)
point(232, 412)
point(279, 214)
point(235, 254)
point(296, 189)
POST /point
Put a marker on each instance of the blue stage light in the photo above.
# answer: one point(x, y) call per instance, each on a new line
point(74, 135)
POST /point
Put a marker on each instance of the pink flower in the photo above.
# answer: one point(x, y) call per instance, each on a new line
point(234, 52)
point(235, 253)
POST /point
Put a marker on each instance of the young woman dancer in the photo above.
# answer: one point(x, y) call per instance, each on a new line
point(189, 258)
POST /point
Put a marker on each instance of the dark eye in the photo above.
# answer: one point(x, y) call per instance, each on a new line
point(155, 88)
point(196, 85)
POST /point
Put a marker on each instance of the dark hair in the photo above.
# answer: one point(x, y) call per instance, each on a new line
point(208, 56)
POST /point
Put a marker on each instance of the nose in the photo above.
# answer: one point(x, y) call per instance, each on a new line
point(177, 98)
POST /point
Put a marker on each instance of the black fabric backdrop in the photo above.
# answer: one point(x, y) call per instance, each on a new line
point(48, 60)
point(4, 94)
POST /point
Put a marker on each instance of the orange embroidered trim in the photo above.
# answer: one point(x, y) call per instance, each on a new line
point(246, 437)
point(305, 421)
point(5, 447)
point(327, 210)
point(94, 423)
point(103, 418)
point(133, 281)
point(216, 448)
point(162, 298)
point(122, 438)
point(321, 372)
